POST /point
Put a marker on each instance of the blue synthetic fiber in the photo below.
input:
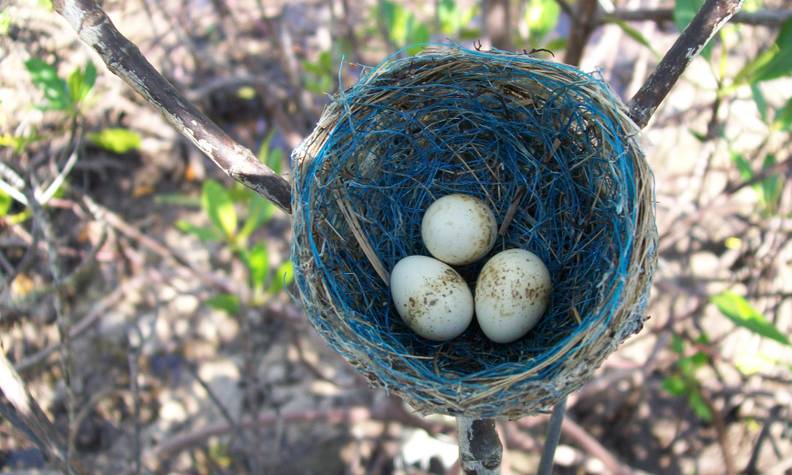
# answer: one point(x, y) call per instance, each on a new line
point(484, 124)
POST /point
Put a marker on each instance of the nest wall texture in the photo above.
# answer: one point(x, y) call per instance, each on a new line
point(506, 128)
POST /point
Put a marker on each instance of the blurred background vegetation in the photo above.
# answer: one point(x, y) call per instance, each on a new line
point(145, 298)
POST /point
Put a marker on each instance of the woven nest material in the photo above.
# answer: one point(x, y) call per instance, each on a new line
point(535, 139)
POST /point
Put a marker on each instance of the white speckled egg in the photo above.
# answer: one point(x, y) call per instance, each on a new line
point(431, 297)
point(459, 229)
point(512, 293)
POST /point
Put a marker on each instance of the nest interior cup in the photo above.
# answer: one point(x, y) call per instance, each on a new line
point(545, 139)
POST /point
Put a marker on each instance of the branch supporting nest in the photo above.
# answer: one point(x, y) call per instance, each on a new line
point(707, 22)
point(124, 59)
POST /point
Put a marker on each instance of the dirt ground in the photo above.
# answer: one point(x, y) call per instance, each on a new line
point(160, 377)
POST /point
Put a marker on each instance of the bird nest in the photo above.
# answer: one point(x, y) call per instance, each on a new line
point(548, 147)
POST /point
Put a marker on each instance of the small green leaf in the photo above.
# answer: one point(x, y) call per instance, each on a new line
point(699, 359)
point(453, 19)
point(46, 78)
point(257, 261)
point(674, 385)
point(634, 34)
point(80, 82)
point(541, 17)
point(217, 203)
point(783, 117)
point(780, 64)
point(743, 166)
point(117, 140)
point(743, 314)
point(771, 187)
point(202, 233)
point(699, 406)
point(677, 344)
point(260, 211)
point(761, 103)
point(272, 157)
point(5, 203)
point(5, 23)
point(283, 277)
point(225, 302)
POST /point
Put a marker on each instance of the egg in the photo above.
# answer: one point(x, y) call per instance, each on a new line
point(431, 297)
point(459, 229)
point(512, 293)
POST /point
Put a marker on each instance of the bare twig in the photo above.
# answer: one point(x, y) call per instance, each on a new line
point(125, 60)
point(480, 449)
point(24, 413)
point(62, 318)
point(771, 18)
point(583, 24)
point(707, 22)
point(497, 23)
point(775, 413)
point(551, 441)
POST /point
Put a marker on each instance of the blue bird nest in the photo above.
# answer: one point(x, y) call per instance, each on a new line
point(552, 151)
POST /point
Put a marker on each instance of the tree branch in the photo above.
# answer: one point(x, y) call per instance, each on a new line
point(712, 16)
point(124, 59)
point(480, 449)
point(583, 24)
point(772, 18)
point(24, 413)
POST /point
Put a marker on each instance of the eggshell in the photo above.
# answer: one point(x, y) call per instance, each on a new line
point(512, 293)
point(459, 229)
point(431, 297)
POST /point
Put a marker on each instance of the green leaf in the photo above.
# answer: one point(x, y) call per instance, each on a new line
point(5, 203)
point(257, 262)
point(771, 187)
point(541, 17)
point(783, 117)
point(699, 359)
point(117, 140)
point(761, 103)
point(5, 23)
point(743, 166)
point(283, 277)
point(677, 344)
point(636, 35)
point(202, 233)
point(225, 302)
point(217, 203)
point(743, 314)
point(699, 406)
point(780, 64)
point(81, 82)
point(260, 211)
point(46, 78)
point(453, 19)
point(273, 158)
point(674, 385)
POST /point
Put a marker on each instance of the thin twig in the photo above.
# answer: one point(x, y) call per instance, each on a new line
point(551, 441)
point(772, 18)
point(583, 24)
point(62, 318)
point(24, 413)
point(123, 58)
point(707, 22)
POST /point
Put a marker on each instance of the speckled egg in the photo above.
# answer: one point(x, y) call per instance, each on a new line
point(459, 229)
point(431, 297)
point(512, 293)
